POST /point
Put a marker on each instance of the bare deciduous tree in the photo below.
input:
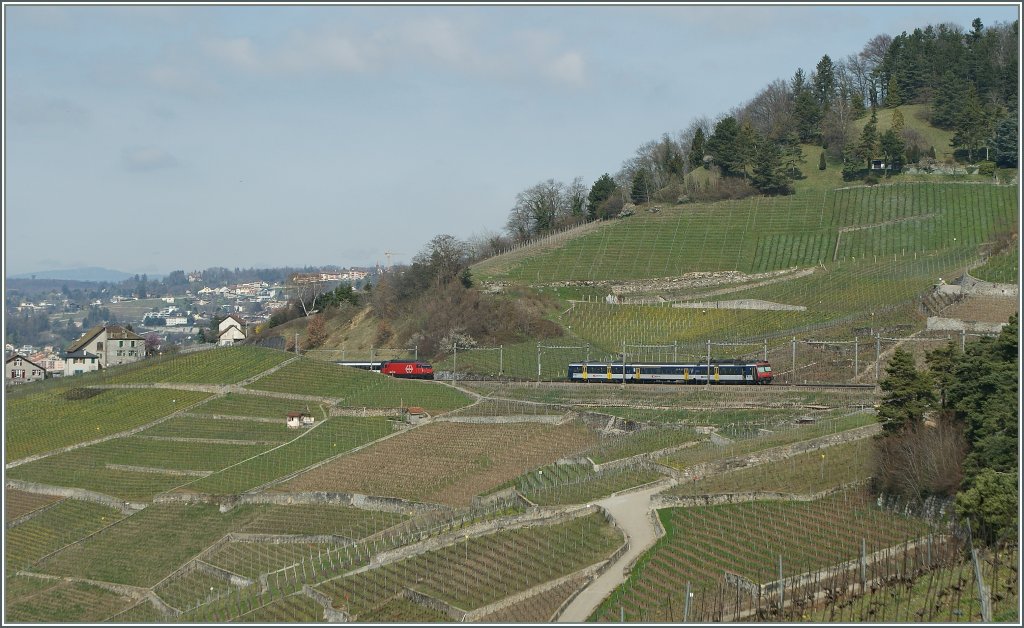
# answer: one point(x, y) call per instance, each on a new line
point(921, 461)
point(308, 287)
point(770, 113)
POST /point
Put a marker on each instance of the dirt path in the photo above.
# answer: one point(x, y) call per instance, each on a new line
point(631, 512)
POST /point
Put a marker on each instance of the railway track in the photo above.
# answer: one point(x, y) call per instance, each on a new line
point(767, 389)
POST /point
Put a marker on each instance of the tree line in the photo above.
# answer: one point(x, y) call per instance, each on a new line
point(968, 77)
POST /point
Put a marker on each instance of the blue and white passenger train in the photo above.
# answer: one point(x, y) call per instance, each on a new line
point(719, 372)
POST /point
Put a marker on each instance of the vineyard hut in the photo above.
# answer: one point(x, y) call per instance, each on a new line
point(298, 419)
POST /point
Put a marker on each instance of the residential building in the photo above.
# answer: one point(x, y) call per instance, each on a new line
point(112, 344)
point(18, 369)
point(78, 362)
point(231, 330)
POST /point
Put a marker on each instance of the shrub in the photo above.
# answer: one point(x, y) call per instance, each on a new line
point(987, 168)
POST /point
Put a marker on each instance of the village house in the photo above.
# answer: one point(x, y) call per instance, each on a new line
point(231, 330)
point(49, 360)
point(19, 370)
point(111, 344)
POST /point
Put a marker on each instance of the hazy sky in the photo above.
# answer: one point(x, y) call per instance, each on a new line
point(154, 138)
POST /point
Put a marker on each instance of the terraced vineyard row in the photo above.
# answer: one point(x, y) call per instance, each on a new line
point(359, 389)
point(792, 434)
point(642, 441)
point(329, 438)
point(38, 601)
point(482, 570)
point(758, 234)
point(168, 535)
point(38, 422)
point(703, 543)
point(58, 526)
point(446, 463)
point(810, 472)
point(223, 365)
point(19, 503)
point(589, 487)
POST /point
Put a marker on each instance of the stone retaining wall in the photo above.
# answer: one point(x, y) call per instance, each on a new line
point(76, 493)
point(972, 285)
point(422, 599)
point(645, 457)
point(231, 577)
point(282, 539)
point(552, 419)
point(741, 304)
point(331, 614)
point(675, 501)
point(776, 453)
point(939, 323)
point(355, 500)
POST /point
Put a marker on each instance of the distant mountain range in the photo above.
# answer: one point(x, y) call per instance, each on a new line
point(92, 273)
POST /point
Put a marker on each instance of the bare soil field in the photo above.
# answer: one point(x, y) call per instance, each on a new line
point(447, 463)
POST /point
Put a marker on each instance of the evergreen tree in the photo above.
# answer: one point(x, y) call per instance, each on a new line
point(808, 115)
point(985, 394)
point(792, 156)
point(892, 147)
point(897, 121)
point(948, 99)
point(696, 157)
point(908, 394)
point(640, 192)
point(867, 148)
point(941, 363)
point(821, 161)
point(973, 127)
point(770, 175)
point(726, 146)
point(602, 189)
point(1006, 143)
point(825, 83)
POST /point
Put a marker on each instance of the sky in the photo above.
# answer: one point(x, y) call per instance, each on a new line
point(154, 138)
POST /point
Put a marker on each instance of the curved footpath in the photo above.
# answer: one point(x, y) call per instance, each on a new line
point(631, 512)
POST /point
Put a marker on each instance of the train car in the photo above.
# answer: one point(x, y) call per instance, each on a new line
point(719, 372)
point(411, 369)
point(364, 366)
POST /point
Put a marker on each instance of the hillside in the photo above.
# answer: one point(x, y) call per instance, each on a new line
point(266, 483)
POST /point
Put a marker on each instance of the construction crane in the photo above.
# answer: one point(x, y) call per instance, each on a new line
point(388, 255)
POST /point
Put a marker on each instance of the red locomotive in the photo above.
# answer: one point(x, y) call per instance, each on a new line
point(412, 369)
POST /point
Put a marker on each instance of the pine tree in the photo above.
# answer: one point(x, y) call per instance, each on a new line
point(909, 394)
point(696, 157)
point(602, 189)
point(973, 127)
point(726, 147)
point(640, 192)
point(825, 83)
point(821, 161)
point(892, 147)
point(769, 170)
point(1006, 143)
point(868, 145)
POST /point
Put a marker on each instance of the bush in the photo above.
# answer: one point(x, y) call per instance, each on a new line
point(987, 168)
point(871, 179)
